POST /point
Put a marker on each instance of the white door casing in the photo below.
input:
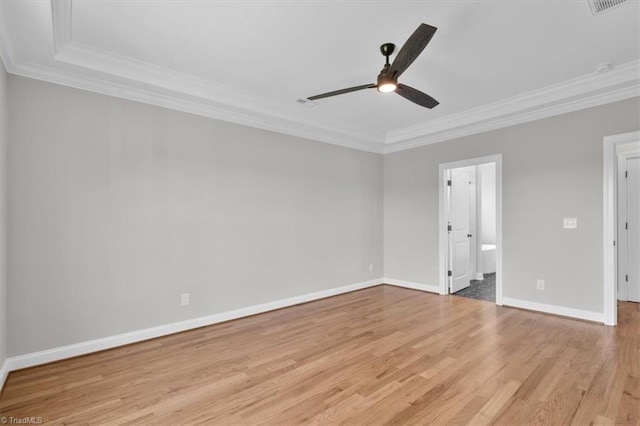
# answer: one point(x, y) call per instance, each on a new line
point(460, 236)
point(613, 146)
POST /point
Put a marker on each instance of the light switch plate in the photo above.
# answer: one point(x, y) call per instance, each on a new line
point(570, 223)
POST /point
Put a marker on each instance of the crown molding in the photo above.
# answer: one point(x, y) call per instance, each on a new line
point(141, 75)
point(562, 108)
point(621, 83)
point(145, 82)
point(83, 67)
point(193, 106)
point(148, 83)
point(61, 21)
point(6, 52)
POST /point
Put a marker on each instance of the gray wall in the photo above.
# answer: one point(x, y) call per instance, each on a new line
point(115, 208)
point(3, 223)
point(552, 168)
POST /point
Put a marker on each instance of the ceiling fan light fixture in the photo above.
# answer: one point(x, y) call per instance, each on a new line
point(387, 87)
point(386, 84)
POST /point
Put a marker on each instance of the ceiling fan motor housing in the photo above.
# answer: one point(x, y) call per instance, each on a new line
point(387, 49)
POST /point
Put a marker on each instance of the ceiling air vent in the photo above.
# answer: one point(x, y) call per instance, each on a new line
point(599, 6)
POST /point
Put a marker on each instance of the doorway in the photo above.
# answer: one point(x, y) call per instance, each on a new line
point(628, 222)
point(471, 228)
point(614, 146)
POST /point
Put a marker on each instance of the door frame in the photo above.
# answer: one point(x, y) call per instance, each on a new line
point(443, 240)
point(610, 223)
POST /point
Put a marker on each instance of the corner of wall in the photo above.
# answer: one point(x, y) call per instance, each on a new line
point(3, 228)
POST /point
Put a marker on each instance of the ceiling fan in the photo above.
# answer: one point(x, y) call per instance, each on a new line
point(388, 77)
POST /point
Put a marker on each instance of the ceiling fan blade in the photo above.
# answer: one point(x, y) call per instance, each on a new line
point(411, 49)
point(416, 96)
point(342, 91)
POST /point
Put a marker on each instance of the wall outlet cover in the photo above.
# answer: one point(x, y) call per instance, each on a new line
point(570, 223)
point(184, 299)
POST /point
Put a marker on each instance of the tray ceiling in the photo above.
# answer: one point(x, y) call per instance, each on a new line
point(490, 64)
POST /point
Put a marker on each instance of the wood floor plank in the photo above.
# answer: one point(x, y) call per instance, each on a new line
point(382, 355)
point(629, 412)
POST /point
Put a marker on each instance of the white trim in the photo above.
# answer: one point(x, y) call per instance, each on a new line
point(6, 54)
point(536, 114)
point(197, 106)
point(61, 23)
point(623, 82)
point(247, 107)
point(442, 188)
point(414, 286)
point(4, 372)
point(234, 105)
point(443, 236)
point(115, 75)
point(554, 309)
point(6, 51)
point(628, 150)
point(499, 288)
point(609, 223)
point(82, 348)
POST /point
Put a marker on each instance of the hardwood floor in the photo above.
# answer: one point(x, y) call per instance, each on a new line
point(383, 355)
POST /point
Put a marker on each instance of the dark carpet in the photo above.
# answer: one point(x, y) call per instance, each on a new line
point(481, 289)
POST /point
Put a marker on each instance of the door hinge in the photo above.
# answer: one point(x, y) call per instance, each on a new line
point(449, 182)
point(626, 225)
point(626, 174)
point(626, 277)
point(449, 228)
point(449, 273)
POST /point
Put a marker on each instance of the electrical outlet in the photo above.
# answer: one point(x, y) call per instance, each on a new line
point(184, 299)
point(540, 284)
point(570, 223)
point(371, 267)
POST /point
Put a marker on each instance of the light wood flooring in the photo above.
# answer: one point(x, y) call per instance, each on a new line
point(383, 355)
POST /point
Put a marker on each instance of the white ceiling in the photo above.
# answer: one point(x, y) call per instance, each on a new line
point(490, 64)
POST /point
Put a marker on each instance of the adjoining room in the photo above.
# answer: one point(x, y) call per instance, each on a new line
point(471, 224)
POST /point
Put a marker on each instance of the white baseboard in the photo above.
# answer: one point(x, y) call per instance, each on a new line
point(554, 309)
point(479, 276)
point(56, 354)
point(4, 372)
point(415, 286)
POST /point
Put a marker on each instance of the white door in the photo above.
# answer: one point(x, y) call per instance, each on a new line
point(460, 234)
point(631, 249)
